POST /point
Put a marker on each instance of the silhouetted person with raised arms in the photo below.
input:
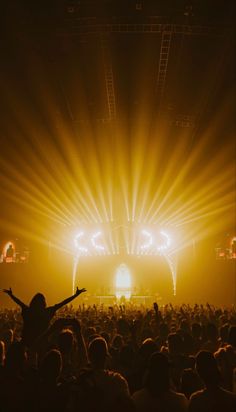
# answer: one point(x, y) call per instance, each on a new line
point(37, 316)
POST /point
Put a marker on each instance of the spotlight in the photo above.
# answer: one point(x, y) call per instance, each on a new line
point(123, 282)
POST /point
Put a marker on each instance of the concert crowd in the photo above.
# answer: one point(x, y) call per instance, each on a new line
point(124, 357)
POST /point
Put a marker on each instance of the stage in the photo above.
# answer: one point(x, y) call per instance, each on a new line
point(200, 278)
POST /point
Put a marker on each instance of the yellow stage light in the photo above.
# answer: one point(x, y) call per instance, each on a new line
point(123, 282)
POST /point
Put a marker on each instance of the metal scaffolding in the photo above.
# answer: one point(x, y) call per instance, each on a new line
point(90, 25)
point(163, 63)
point(109, 78)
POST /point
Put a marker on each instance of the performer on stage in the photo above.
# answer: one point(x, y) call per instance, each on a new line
point(10, 251)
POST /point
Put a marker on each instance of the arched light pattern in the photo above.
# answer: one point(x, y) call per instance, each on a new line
point(94, 242)
point(167, 244)
point(123, 282)
point(79, 247)
point(91, 242)
point(149, 241)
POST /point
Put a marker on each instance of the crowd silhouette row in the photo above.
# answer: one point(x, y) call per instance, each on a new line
point(124, 357)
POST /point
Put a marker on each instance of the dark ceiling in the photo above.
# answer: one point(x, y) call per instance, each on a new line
point(177, 56)
point(83, 42)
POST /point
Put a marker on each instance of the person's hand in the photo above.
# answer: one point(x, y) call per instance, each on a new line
point(134, 326)
point(8, 291)
point(155, 306)
point(79, 291)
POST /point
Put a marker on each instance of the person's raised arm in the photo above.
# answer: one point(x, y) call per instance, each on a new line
point(14, 298)
point(68, 300)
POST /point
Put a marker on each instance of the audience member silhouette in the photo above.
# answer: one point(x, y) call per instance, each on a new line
point(212, 343)
point(72, 348)
point(196, 331)
point(190, 382)
point(37, 316)
point(7, 336)
point(99, 389)
point(157, 394)
point(13, 389)
point(146, 349)
point(52, 395)
point(232, 336)
point(2, 355)
point(213, 397)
